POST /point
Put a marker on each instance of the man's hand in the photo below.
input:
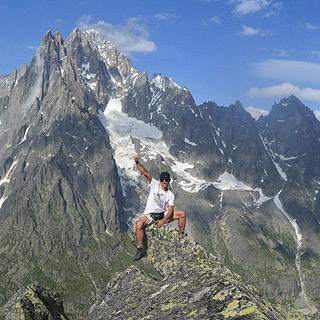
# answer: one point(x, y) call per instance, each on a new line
point(142, 169)
point(160, 223)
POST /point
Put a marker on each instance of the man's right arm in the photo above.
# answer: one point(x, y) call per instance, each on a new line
point(142, 169)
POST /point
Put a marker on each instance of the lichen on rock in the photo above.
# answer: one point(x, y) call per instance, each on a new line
point(35, 303)
point(195, 285)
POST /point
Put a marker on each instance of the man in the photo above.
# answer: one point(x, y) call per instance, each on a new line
point(160, 201)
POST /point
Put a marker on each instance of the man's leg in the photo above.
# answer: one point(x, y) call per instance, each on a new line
point(181, 217)
point(141, 223)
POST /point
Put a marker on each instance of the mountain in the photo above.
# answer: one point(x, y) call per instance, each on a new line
point(69, 190)
point(61, 198)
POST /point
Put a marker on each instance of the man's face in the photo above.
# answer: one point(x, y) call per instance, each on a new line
point(164, 182)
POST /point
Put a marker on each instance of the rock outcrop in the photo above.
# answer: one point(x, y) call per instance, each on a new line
point(194, 286)
point(35, 303)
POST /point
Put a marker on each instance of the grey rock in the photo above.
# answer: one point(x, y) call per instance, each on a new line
point(195, 286)
point(35, 303)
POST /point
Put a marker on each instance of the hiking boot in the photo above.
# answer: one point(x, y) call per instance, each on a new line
point(140, 254)
point(181, 233)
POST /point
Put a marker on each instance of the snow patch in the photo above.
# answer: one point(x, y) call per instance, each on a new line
point(272, 157)
point(293, 222)
point(5, 179)
point(120, 126)
point(121, 129)
point(25, 135)
point(227, 181)
point(2, 200)
point(189, 142)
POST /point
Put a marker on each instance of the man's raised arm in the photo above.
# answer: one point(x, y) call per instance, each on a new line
point(142, 169)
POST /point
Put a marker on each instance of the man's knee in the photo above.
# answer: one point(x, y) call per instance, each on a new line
point(141, 223)
point(182, 215)
point(179, 215)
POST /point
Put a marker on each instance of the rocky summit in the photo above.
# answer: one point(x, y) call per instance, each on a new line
point(194, 285)
point(72, 120)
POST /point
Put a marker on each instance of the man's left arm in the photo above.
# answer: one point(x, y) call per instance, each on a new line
point(168, 216)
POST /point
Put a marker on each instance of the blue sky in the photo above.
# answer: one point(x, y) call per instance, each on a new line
point(255, 51)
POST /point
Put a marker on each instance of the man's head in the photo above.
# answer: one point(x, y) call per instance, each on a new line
point(164, 178)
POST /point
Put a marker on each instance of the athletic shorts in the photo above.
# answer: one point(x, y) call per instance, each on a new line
point(152, 221)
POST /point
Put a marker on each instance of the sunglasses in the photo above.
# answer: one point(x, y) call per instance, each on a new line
point(164, 179)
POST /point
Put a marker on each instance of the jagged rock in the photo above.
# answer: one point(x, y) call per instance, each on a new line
point(35, 303)
point(195, 286)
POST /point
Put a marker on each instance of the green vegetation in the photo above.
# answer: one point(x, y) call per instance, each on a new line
point(75, 277)
point(203, 232)
point(237, 268)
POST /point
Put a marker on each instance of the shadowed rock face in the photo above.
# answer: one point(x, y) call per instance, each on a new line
point(194, 286)
point(35, 303)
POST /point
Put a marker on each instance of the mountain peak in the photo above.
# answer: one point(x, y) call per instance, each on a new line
point(48, 36)
point(291, 100)
point(290, 107)
point(237, 105)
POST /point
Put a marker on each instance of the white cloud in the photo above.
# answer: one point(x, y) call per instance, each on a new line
point(131, 37)
point(215, 19)
point(282, 53)
point(288, 70)
point(256, 113)
point(249, 31)
point(274, 9)
point(248, 6)
point(317, 114)
point(316, 52)
point(59, 20)
point(207, 1)
point(32, 47)
point(165, 16)
point(286, 89)
point(310, 26)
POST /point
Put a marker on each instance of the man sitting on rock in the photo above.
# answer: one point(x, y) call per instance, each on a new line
point(159, 208)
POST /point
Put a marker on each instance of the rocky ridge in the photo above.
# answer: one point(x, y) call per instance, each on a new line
point(195, 285)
